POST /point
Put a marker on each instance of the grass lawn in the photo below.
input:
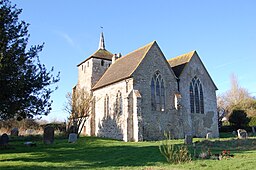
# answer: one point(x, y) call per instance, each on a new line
point(98, 153)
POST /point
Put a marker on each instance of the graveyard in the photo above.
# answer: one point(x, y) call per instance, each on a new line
point(102, 153)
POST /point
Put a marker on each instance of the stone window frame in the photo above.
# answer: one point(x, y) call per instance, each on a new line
point(196, 96)
point(158, 92)
point(119, 103)
point(106, 106)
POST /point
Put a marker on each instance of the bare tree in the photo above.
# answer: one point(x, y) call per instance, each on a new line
point(236, 98)
point(79, 107)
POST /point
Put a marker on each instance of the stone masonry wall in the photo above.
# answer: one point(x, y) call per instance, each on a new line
point(112, 125)
point(196, 123)
point(90, 72)
point(155, 123)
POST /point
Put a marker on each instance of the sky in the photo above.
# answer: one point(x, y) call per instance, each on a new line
point(222, 32)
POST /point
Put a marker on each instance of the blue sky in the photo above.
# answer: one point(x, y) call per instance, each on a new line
point(222, 32)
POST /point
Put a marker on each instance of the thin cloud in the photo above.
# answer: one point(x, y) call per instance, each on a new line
point(66, 37)
point(227, 64)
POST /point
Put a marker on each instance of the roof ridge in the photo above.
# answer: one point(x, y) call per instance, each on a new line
point(136, 50)
point(93, 55)
point(179, 56)
point(135, 57)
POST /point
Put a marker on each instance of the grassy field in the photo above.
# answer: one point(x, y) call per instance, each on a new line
point(97, 153)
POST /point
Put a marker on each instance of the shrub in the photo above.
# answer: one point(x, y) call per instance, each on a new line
point(252, 121)
point(174, 153)
point(239, 119)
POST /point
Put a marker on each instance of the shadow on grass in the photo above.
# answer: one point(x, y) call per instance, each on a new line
point(87, 153)
point(91, 153)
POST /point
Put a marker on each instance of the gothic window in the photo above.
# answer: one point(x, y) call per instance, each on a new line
point(119, 103)
point(201, 99)
point(162, 96)
point(157, 92)
point(106, 106)
point(153, 101)
point(157, 95)
point(191, 92)
point(196, 96)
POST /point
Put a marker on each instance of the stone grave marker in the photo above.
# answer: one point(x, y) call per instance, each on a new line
point(48, 137)
point(4, 140)
point(72, 137)
point(209, 135)
point(188, 139)
point(242, 134)
point(15, 132)
point(253, 129)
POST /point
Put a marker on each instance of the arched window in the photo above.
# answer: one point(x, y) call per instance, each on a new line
point(102, 62)
point(119, 103)
point(106, 106)
point(157, 92)
point(196, 96)
point(153, 101)
point(201, 99)
point(162, 96)
point(191, 92)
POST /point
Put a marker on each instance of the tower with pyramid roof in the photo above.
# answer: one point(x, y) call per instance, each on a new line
point(91, 69)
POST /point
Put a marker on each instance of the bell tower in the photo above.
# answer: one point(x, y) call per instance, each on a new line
point(91, 69)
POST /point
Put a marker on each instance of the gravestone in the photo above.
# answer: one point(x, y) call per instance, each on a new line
point(188, 139)
point(209, 135)
point(72, 137)
point(4, 139)
point(242, 134)
point(48, 135)
point(15, 132)
point(253, 129)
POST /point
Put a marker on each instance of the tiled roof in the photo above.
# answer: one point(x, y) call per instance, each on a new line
point(123, 67)
point(101, 54)
point(178, 63)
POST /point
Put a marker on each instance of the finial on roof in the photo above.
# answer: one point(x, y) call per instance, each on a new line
point(102, 43)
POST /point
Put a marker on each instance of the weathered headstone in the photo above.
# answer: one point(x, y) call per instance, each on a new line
point(188, 139)
point(15, 132)
point(209, 135)
point(4, 140)
point(48, 135)
point(253, 129)
point(72, 137)
point(242, 134)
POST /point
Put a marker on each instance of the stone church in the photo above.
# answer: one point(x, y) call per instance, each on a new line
point(141, 95)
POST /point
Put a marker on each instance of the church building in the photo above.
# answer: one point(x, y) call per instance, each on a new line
point(141, 95)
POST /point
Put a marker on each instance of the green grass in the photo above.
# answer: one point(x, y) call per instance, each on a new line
point(97, 153)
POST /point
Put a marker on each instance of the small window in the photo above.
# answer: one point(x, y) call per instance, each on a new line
point(88, 64)
point(119, 103)
point(102, 62)
point(82, 67)
point(106, 106)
